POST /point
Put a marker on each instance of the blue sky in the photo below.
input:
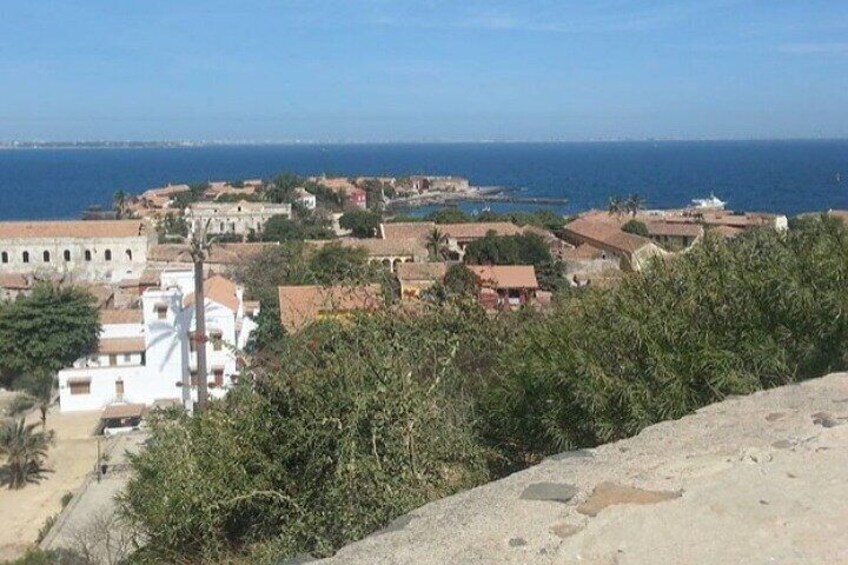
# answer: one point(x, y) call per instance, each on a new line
point(375, 70)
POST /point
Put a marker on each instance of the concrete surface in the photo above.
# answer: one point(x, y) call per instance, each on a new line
point(757, 479)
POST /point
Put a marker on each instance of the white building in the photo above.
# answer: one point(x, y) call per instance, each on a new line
point(237, 218)
point(305, 198)
point(99, 251)
point(147, 355)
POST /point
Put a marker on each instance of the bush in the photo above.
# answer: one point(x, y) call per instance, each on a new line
point(364, 421)
point(635, 227)
point(726, 318)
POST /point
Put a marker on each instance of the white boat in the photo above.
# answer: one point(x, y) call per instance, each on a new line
point(711, 202)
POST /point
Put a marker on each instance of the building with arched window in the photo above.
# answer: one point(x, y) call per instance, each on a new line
point(81, 250)
point(235, 218)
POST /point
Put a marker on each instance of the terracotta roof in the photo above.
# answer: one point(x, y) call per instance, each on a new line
point(129, 316)
point(407, 230)
point(605, 234)
point(671, 229)
point(584, 251)
point(102, 294)
point(387, 247)
point(470, 230)
point(506, 276)
point(728, 231)
point(120, 411)
point(841, 214)
point(72, 229)
point(421, 271)
point(121, 345)
point(13, 281)
point(301, 305)
point(168, 190)
point(218, 289)
point(477, 230)
point(221, 253)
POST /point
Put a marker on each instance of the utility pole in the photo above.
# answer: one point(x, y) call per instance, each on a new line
point(199, 249)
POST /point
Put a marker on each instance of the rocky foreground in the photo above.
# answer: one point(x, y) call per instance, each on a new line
point(757, 479)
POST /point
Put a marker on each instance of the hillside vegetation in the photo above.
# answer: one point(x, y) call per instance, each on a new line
point(348, 425)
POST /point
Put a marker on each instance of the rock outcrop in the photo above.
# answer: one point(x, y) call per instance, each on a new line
point(756, 479)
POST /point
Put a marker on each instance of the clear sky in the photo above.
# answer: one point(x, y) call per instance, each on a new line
point(391, 70)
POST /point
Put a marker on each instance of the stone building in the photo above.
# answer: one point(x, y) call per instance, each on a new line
point(235, 218)
point(103, 251)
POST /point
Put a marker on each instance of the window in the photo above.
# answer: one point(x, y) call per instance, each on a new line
point(129, 254)
point(4, 257)
point(87, 255)
point(193, 376)
point(222, 226)
point(46, 256)
point(192, 346)
point(107, 255)
point(161, 311)
point(119, 387)
point(25, 256)
point(127, 357)
point(80, 386)
point(216, 340)
point(219, 377)
point(113, 360)
point(67, 255)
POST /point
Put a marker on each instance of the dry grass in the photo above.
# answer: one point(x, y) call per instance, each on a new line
point(23, 512)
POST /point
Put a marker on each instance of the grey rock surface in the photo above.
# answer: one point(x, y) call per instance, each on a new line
point(755, 479)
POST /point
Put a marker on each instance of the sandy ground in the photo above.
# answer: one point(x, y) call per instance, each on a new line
point(23, 512)
point(758, 479)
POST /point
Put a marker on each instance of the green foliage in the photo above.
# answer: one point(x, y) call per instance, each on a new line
point(24, 450)
point(545, 219)
point(449, 216)
point(326, 197)
point(282, 187)
point(725, 318)
point(181, 200)
point(46, 331)
point(493, 249)
point(460, 281)
point(171, 227)
point(364, 421)
point(635, 227)
point(281, 228)
point(361, 223)
point(350, 424)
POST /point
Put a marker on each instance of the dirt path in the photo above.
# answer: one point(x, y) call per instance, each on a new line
point(23, 512)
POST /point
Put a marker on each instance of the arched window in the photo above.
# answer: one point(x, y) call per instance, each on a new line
point(25, 256)
point(107, 255)
point(46, 256)
point(4, 257)
point(129, 254)
point(88, 255)
point(67, 255)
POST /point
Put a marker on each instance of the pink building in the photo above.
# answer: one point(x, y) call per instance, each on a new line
point(356, 198)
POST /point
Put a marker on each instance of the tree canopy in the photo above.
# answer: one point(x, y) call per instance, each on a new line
point(635, 227)
point(361, 223)
point(46, 331)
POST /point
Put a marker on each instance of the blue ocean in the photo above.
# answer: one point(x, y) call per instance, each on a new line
point(776, 176)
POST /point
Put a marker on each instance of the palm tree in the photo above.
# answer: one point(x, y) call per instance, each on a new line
point(119, 200)
point(437, 244)
point(616, 206)
point(24, 449)
point(634, 203)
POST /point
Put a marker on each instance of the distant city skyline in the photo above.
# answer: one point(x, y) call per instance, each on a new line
point(398, 71)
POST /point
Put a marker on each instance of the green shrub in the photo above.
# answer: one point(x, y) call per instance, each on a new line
point(363, 421)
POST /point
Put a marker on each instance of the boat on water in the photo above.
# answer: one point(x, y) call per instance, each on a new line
point(710, 203)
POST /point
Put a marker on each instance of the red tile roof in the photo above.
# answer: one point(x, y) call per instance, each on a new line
point(121, 345)
point(133, 316)
point(72, 229)
point(506, 276)
point(301, 305)
point(220, 290)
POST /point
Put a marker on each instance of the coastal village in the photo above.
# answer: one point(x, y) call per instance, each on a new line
point(140, 261)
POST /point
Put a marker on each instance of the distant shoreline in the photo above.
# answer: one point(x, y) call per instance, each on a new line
point(48, 145)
